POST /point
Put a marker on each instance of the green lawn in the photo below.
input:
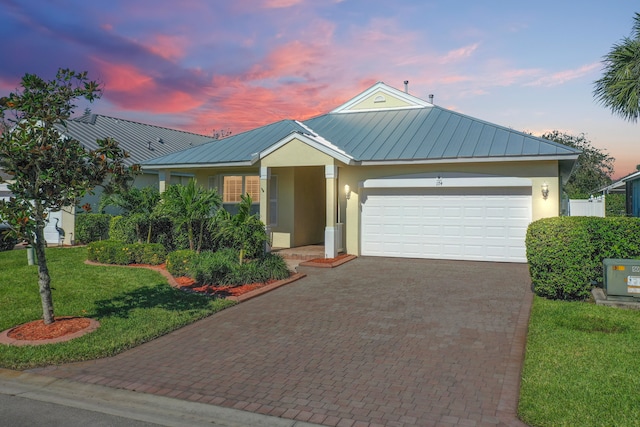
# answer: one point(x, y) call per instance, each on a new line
point(582, 366)
point(133, 306)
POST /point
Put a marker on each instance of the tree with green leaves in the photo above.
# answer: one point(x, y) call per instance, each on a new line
point(619, 87)
point(593, 168)
point(49, 171)
point(190, 206)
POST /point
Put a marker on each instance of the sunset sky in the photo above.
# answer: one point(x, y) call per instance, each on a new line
point(200, 65)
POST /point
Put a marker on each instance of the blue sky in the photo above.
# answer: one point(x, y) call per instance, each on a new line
point(201, 65)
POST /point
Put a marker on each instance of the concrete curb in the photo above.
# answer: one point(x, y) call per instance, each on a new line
point(160, 410)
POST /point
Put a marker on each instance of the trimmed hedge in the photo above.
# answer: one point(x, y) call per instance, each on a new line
point(91, 227)
point(565, 254)
point(120, 253)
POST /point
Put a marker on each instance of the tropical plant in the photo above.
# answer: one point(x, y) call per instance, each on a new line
point(619, 87)
point(138, 203)
point(50, 170)
point(191, 206)
point(242, 231)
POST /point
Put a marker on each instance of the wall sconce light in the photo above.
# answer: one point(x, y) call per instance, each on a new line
point(545, 190)
point(347, 191)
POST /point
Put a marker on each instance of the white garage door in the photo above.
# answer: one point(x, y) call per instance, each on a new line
point(483, 224)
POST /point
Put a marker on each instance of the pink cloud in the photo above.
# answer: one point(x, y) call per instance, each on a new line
point(459, 54)
point(130, 89)
point(279, 4)
point(565, 76)
point(167, 47)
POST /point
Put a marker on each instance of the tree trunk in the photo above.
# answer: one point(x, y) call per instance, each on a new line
point(44, 280)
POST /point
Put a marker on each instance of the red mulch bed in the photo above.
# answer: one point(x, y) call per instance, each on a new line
point(37, 330)
point(188, 284)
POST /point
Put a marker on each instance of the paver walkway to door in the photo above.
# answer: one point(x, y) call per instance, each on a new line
point(377, 341)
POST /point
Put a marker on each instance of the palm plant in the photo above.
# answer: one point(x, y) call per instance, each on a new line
point(242, 231)
point(619, 87)
point(190, 206)
point(140, 204)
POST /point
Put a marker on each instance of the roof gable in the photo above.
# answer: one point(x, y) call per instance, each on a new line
point(381, 97)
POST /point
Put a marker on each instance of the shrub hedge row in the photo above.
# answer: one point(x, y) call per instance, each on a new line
point(91, 227)
point(565, 254)
point(116, 252)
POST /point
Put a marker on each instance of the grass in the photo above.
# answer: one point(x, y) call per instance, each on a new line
point(581, 366)
point(133, 305)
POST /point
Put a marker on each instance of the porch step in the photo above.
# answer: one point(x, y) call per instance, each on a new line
point(303, 253)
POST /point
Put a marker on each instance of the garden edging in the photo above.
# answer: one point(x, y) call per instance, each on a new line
point(240, 298)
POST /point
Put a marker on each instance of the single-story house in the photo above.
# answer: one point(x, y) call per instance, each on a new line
point(630, 186)
point(387, 174)
point(141, 141)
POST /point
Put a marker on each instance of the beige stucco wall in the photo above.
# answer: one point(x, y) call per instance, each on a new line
point(296, 153)
point(389, 102)
point(309, 202)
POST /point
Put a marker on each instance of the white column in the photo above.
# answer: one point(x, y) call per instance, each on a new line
point(265, 178)
point(164, 179)
point(330, 243)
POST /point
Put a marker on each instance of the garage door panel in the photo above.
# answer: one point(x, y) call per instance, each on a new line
point(434, 224)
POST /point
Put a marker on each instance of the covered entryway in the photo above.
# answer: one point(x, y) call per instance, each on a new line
point(463, 223)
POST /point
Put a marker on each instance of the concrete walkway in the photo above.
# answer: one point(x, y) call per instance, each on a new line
point(377, 341)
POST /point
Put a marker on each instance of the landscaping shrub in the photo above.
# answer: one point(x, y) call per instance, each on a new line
point(7, 241)
point(215, 267)
point(179, 263)
point(91, 227)
point(615, 205)
point(565, 254)
point(108, 252)
point(122, 229)
point(116, 252)
point(222, 268)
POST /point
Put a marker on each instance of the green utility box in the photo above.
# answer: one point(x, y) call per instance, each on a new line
point(622, 278)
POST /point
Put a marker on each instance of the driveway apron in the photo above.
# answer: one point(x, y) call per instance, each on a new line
point(376, 341)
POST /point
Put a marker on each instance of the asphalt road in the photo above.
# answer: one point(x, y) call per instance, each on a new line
point(20, 412)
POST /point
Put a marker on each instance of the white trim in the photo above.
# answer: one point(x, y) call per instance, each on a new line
point(466, 160)
point(391, 91)
point(330, 171)
point(446, 182)
point(265, 172)
point(197, 165)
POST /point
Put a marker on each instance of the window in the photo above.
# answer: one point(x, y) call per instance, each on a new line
point(234, 186)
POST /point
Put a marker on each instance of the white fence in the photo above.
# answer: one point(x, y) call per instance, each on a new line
point(594, 206)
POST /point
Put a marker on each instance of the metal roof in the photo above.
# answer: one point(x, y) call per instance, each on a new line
point(423, 133)
point(232, 149)
point(141, 141)
point(430, 133)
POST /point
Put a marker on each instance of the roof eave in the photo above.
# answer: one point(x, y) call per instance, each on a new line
point(195, 165)
point(567, 157)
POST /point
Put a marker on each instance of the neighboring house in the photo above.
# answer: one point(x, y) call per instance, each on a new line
point(630, 186)
point(387, 174)
point(141, 141)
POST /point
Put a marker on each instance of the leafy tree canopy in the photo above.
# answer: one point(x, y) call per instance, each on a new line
point(47, 170)
point(593, 168)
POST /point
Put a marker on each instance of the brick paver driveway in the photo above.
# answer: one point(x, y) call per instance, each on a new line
point(377, 341)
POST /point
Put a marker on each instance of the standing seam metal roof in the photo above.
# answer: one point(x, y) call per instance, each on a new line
point(425, 133)
point(133, 137)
